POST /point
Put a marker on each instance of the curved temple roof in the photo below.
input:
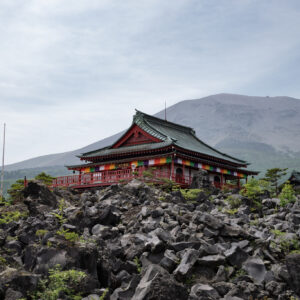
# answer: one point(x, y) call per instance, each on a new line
point(170, 134)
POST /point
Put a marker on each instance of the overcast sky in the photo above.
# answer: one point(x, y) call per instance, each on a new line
point(72, 72)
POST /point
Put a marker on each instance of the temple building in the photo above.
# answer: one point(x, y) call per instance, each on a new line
point(164, 149)
point(293, 177)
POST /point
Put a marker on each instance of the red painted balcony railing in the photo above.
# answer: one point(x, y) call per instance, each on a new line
point(105, 178)
point(116, 176)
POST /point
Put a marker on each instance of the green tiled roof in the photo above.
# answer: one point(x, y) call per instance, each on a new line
point(142, 147)
point(170, 134)
point(288, 176)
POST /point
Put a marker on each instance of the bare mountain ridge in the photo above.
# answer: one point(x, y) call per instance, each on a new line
point(253, 128)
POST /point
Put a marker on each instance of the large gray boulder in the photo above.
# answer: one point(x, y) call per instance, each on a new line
point(203, 292)
point(200, 180)
point(293, 267)
point(157, 283)
point(188, 260)
point(236, 256)
point(255, 267)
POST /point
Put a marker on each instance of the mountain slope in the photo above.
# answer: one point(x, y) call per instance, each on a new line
point(263, 130)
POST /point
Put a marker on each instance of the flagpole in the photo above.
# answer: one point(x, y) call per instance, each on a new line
point(3, 153)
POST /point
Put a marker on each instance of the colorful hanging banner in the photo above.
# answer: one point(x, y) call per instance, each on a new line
point(161, 161)
point(132, 165)
point(207, 167)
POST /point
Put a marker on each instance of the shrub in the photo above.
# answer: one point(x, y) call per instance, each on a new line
point(286, 245)
point(148, 173)
point(287, 194)
point(167, 184)
point(60, 214)
point(41, 232)
point(231, 211)
point(254, 188)
point(60, 282)
point(15, 190)
point(69, 236)
point(190, 194)
point(44, 178)
point(2, 260)
point(10, 216)
point(234, 202)
point(138, 264)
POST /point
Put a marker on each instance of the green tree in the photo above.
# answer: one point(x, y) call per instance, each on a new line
point(252, 189)
point(15, 190)
point(273, 176)
point(44, 178)
point(287, 194)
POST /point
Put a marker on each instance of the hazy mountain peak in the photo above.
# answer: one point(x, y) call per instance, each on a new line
point(221, 119)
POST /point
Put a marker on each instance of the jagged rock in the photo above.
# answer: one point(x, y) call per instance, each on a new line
point(169, 261)
point(91, 297)
point(221, 275)
point(244, 290)
point(202, 197)
point(155, 244)
point(127, 290)
point(223, 287)
point(280, 272)
point(102, 231)
point(3, 236)
point(212, 260)
point(203, 292)
point(146, 211)
point(232, 231)
point(293, 267)
point(271, 203)
point(236, 256)
point(200, 180)
point(14, 246)
point(255, 267)
point(295, 218)
point(210, 221)
point(108, 216)
point(275, 288)
point(48, 258)
point(210, 233)
point(18, 281)
point(13, 295)
point(156, 213)
point(184, 245)
point(187, 262)
point(157, 283)
point(39, 198)
point(126, 229)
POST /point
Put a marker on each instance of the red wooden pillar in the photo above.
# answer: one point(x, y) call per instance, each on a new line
point(183, 177)
point(222, 180)
point(172, 169)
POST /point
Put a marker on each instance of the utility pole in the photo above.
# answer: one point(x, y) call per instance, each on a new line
point(3, 153)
